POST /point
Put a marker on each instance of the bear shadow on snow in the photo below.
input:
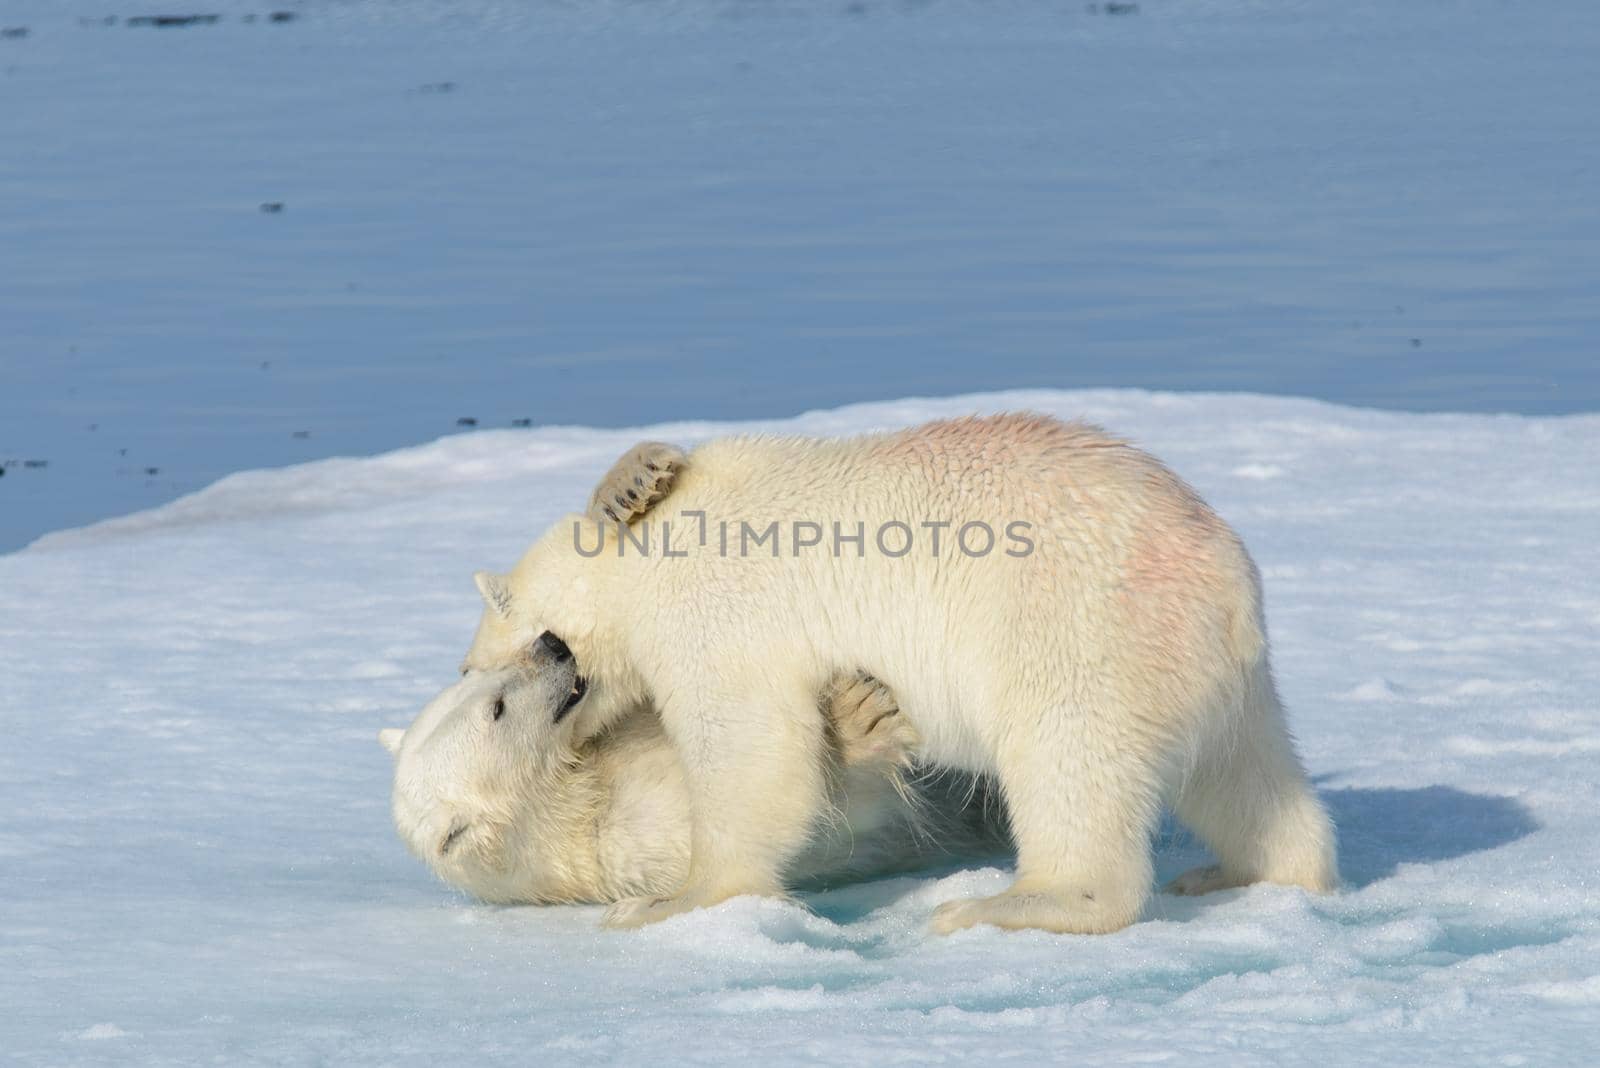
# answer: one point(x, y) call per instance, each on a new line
point(1379, 829)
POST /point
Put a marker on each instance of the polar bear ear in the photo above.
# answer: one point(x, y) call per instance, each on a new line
point(496, 592)
point(390, 739)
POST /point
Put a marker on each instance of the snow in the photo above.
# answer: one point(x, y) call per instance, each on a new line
point(196, 862)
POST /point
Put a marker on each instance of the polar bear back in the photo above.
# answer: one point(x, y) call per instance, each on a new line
point(1131, 582)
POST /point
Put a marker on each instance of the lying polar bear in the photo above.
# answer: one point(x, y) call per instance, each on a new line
point(502, 798)
point(1112, 658)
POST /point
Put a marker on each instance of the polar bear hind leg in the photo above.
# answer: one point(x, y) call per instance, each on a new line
point(1249, 801)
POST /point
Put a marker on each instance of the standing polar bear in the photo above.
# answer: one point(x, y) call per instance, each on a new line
point(1105, 654)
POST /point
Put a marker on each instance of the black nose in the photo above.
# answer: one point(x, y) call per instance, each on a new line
point(556, 646)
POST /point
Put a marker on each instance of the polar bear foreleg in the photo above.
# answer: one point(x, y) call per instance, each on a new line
point(756, 783)
point(1082, 803)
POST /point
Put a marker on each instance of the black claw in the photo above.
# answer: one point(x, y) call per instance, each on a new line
point(620, 500)
point(639, 481)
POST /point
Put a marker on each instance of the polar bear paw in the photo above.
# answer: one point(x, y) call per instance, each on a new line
point(632, 912)
point(868, 725)
point(1061, 912)
point(636, 482)
point(1206, 880)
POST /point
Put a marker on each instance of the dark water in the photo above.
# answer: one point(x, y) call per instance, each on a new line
point(627, 214)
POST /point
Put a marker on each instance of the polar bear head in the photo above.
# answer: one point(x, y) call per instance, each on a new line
point(556, 590)
point(486, 786)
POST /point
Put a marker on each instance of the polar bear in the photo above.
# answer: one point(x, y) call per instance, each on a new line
point(1108, 656)
point(497, 794)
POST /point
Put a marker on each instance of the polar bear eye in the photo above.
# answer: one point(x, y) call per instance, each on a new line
point(499, 707)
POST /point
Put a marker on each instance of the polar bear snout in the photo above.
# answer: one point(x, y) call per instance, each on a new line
point(555, 646)
point(553, 665)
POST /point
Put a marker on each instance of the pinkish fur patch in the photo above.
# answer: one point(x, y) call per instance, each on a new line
point(973, 443)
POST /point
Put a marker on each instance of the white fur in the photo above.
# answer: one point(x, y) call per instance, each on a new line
point(521, 810)
point(1120, 665)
